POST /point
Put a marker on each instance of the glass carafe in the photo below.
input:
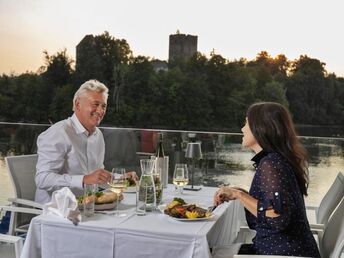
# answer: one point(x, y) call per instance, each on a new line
point(147, 192)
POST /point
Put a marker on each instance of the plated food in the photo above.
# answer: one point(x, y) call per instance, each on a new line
point(180, 210)
point(131, 185)
point(103, 200)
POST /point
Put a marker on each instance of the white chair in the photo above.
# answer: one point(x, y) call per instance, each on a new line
point(332, 242)
point(16, 241)
point(331, 245)
point(22, 170)
point(328, 203)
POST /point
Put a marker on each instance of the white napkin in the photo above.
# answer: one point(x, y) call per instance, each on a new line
point(63, 202)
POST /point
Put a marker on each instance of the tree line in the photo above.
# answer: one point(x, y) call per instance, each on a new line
point(196, 93)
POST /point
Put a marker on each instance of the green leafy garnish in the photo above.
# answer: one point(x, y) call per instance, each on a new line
point(98, 194)
point(180, 200)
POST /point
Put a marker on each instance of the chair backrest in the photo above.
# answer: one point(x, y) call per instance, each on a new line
point(120, 149)
point(332, 240)
point(22, 170)
point(331, 200)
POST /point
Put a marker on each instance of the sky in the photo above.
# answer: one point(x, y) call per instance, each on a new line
point(232, 28)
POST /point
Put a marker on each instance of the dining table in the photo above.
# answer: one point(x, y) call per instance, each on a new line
point(152, 235)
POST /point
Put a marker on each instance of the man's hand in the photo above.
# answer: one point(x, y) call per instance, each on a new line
point(132, 175)
point(99, 176)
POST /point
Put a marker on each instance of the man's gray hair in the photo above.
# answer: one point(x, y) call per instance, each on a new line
point(91, 85)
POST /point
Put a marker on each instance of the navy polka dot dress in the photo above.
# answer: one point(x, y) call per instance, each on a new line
point(275, 185)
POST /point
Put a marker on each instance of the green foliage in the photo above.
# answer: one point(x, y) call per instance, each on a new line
point(312, 95)
point(62, 103)
point(199, 93)
point(97, 57)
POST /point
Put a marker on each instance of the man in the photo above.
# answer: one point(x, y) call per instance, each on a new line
point(71, 152)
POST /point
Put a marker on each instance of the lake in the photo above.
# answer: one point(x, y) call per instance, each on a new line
point(233, 166)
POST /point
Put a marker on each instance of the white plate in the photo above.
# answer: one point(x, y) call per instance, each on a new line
point(105, 206)
point(101, 207)
point(195, 219)
point(162, 207)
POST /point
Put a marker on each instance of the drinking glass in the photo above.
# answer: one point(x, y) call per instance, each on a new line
point(118, 185)
point(180, 177)
point(89, 199)
point(141, 202)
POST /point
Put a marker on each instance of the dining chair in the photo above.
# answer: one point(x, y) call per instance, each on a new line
point(121, 149)
point(22, 170)
point(331, 244)
point(16, 241)
point(328, 203)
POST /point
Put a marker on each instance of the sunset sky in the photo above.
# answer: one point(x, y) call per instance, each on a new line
point(233, 28)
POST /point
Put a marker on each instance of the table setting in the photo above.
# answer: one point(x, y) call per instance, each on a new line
point(177, 224)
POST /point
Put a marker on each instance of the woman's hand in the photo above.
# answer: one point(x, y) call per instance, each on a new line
point(225, 194)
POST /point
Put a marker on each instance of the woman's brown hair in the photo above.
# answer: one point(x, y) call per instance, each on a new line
point(272, 126)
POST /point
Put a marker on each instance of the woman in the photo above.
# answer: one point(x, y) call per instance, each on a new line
point(274, 206)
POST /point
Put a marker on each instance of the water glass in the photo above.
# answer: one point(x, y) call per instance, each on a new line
point(141, 203)
point(89, 199)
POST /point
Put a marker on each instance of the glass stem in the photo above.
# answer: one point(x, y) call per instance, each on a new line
point(117, 205)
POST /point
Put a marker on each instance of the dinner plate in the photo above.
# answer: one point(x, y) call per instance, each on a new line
point(105, 206)
point(162, 207)
point(101, 207)
point(189, 220)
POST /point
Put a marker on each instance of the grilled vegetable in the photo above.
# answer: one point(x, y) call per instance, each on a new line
point(189, 211)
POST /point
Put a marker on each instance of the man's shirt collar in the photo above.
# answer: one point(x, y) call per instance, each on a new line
point(79, 128)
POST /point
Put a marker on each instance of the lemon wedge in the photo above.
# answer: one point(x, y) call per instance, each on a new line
point(191, 214)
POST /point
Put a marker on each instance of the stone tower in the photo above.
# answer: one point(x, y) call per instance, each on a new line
point(87, 43)
point(182, 46)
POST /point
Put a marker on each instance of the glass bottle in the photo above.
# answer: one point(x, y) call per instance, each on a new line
point(161, 162)
point(160, 148)
point(158, 188)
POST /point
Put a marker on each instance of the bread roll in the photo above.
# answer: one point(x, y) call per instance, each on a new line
point(108, 197)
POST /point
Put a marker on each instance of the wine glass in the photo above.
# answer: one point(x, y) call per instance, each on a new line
point(118, 185)
point(180, 177)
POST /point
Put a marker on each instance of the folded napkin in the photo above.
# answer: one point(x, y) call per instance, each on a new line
point(63, 204)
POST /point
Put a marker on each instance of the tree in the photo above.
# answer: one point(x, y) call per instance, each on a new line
point(307, 91)
point(57, 70)
point(97, 57)
point(22, 99)
point(56, 73)
point(62, 103)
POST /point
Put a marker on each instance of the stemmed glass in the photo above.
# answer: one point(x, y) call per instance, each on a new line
point(118, 185)
point(180, 177)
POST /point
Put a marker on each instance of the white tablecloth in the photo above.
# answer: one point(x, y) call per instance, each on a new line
point(153, 235)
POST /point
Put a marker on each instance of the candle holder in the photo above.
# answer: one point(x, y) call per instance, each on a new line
point(193, 152)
